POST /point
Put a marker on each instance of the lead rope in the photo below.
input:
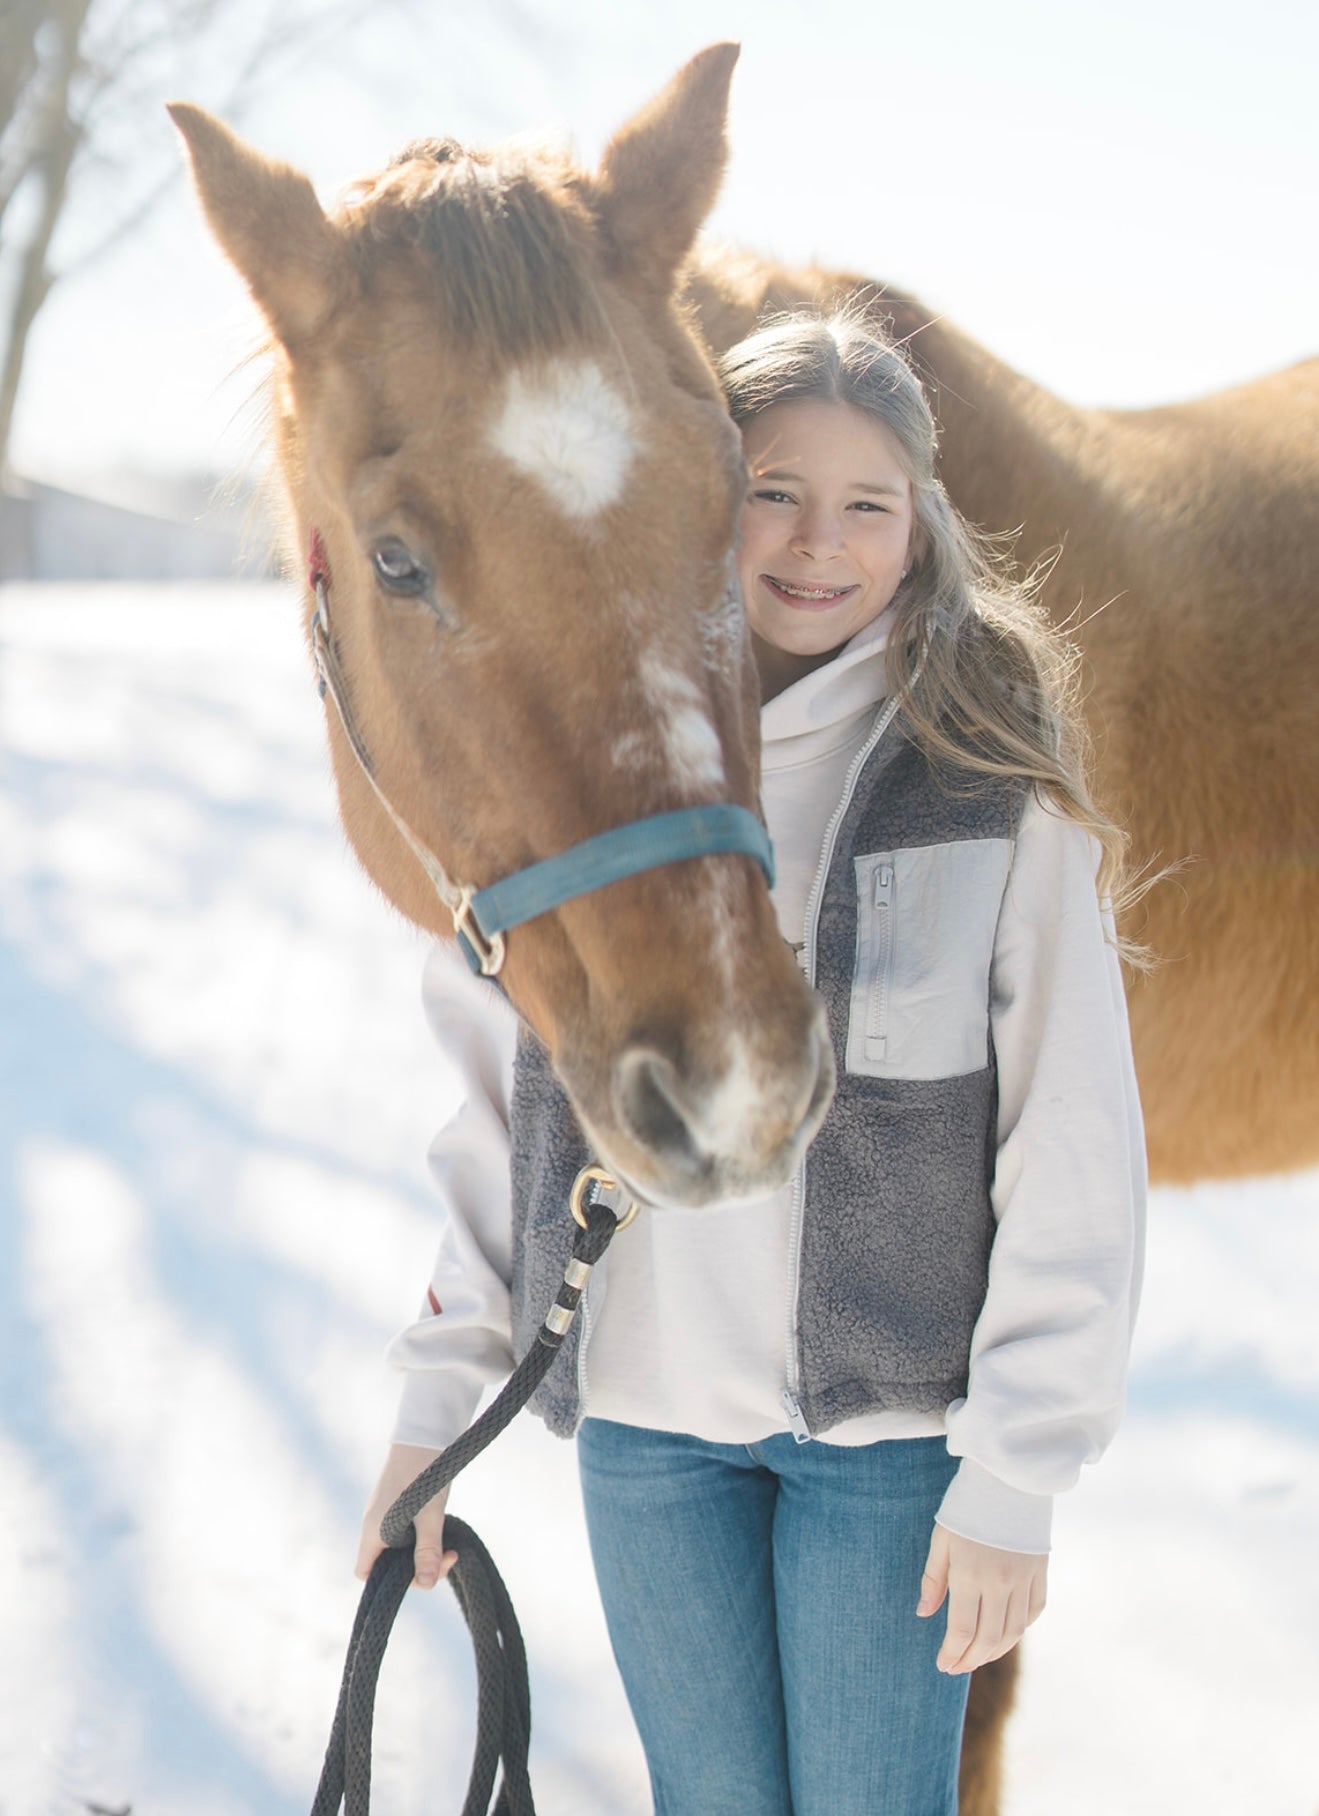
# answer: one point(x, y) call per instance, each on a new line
point(503, 1721)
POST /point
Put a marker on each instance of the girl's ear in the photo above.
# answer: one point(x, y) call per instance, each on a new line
point(267, 219)
point(661, 171)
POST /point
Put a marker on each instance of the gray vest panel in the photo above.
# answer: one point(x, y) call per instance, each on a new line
point(897, 1223)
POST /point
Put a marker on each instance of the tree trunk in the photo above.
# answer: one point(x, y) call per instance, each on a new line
point(20, 21)
point(51, 161)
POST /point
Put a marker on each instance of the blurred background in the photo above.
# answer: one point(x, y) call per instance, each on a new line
point(215, 1086)
point(1120, 201)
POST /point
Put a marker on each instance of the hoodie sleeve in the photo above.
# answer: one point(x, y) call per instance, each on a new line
point(461, 1341)
point(1049, 1350)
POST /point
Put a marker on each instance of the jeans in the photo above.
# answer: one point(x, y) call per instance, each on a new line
point(761, 1605)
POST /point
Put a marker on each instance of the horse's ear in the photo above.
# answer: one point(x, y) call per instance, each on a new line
point(661, 172)
point(268, 221)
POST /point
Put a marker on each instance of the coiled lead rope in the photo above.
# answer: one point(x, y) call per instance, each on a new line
point(503, 1698)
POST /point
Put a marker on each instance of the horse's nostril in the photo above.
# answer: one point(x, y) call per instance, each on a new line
point(730, 1133)
point(648, 1103)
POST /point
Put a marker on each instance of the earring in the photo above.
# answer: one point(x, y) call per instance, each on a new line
point(904, 573)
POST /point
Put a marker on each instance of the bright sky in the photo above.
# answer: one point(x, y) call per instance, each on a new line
point(1119, 200)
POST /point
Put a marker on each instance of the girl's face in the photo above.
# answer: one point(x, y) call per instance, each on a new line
point(826, 528)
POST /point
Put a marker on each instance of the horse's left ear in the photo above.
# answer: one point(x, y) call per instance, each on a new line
point(661, 172)
point(267, 219)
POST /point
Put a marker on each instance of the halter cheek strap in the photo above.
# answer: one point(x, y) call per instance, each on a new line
point(481, 917)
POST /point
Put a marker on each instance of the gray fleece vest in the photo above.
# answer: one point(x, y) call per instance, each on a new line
point(894, 1222)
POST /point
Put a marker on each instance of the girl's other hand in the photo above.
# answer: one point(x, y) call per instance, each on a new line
point(993, 1596)
point(431, 1561)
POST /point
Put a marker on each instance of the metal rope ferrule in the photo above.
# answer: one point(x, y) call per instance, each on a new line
point(595, 1217)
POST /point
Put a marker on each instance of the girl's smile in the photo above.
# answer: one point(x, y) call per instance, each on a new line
point(805, 597)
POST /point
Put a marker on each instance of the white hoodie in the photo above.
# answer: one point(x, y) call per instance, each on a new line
point(690, 1328)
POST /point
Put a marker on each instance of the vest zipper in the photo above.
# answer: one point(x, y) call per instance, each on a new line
point(791, 1405)
point(796, 1423)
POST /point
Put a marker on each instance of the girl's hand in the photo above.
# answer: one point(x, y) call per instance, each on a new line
point(431, 1561)
point(993, 1596)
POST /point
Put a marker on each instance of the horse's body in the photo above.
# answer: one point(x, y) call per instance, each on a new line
point(575, 669)
point(1189, 540)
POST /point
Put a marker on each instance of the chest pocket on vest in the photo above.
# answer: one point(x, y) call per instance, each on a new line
point(924, 941)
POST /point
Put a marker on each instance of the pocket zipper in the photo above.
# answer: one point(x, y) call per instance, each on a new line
point(882, 974)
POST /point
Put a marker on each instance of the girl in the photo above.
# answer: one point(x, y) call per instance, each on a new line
point(813, 1420)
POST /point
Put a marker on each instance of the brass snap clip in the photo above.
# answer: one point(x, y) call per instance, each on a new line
point(590, 1179)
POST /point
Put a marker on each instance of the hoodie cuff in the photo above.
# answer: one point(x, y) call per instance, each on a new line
point(981, 1507)
point(434, 1408)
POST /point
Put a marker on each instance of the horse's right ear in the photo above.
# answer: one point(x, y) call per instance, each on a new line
point(661, 171)
point(268, 221)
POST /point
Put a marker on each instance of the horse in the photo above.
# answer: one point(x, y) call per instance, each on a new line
point(494, 404)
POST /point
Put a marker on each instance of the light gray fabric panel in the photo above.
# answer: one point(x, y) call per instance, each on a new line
point(925, 937)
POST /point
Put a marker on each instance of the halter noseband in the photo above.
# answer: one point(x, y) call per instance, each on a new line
point(481, 917)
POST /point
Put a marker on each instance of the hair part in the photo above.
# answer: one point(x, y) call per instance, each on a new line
point(989, 687)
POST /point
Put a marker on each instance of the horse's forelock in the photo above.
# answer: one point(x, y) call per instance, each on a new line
point(505, 242)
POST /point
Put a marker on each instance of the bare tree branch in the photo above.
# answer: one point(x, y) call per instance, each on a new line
point(265, 63)
point(77, 78)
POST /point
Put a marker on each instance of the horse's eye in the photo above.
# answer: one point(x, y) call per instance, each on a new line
point(397, 568)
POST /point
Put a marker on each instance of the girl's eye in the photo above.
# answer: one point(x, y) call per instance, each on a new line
point(397, 569)
point(772, 497)
point(867, 505)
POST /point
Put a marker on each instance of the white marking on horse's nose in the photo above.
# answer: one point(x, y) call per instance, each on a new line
point(566, 427)
point(691, 743)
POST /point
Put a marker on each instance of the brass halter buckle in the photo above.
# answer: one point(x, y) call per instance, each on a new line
point(587, 1180)
point(489, 952)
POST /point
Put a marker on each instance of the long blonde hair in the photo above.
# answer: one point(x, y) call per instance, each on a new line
point(988, 685)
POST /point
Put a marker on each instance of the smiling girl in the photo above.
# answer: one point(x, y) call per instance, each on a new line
point(817, 1418)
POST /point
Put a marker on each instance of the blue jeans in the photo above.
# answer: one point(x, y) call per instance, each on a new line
point(761, 1605)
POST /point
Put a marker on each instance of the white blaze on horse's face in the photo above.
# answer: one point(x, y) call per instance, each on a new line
point(566, 427)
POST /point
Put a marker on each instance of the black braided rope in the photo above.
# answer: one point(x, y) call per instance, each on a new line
point(503, 1717)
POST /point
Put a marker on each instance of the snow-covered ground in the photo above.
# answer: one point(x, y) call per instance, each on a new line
point(215, 1096)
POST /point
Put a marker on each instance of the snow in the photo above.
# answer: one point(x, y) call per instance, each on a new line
point(216, 1093)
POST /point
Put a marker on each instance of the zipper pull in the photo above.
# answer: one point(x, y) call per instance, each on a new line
point(883, 885)
point(796, 1423)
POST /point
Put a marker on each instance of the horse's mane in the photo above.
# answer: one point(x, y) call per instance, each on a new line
point(504, 240)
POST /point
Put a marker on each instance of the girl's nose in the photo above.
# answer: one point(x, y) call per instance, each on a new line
point(819, 534)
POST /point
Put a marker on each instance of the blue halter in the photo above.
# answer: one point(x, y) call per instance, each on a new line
point(664, 838)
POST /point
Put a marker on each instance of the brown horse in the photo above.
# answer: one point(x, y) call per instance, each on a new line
point(493, 403)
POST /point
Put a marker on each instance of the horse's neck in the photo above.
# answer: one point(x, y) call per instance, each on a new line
point(1012, 455)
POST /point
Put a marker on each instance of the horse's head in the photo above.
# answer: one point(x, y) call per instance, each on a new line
point(494, 417)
